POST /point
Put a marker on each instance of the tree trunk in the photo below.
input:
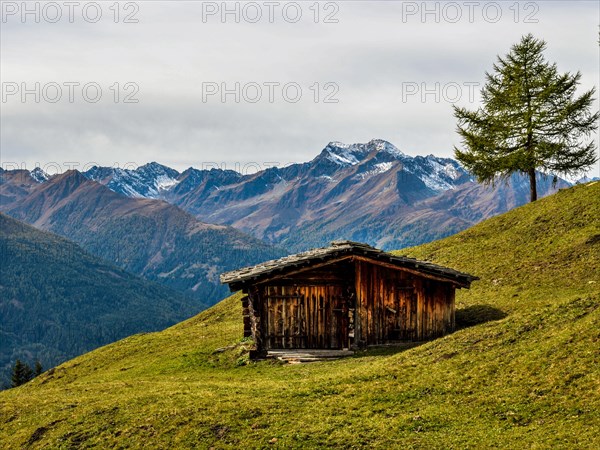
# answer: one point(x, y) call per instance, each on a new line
point(532, 186)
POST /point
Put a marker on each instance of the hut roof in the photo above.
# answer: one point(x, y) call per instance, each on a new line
point(339, 249)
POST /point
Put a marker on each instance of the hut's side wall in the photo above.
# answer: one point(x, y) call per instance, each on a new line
point(351, 303)
point(394, 305)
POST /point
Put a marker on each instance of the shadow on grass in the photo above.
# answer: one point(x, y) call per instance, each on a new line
point(386, 350)
point(465, 318)
point(477, 314)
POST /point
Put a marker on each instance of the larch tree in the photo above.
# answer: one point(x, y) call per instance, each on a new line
point(530, 119)
point(21, 373)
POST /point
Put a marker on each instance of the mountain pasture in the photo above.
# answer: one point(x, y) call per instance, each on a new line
point(523, 370)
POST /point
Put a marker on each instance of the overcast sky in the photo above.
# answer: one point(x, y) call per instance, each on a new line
point(341, 71)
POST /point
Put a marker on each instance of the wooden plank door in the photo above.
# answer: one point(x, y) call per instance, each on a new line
point(285, 321)
point(327, 317)
point(307, 317)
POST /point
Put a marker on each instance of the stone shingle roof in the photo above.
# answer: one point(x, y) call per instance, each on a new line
point(247, 275)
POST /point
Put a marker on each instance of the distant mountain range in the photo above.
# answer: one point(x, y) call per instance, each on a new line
point(58, 301)
point(183, 229)
point(587, 179)
point(151, 238)
point(369, 192)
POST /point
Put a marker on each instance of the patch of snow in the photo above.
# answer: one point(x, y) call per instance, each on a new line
point(164, 182)
point(436, 184)
point(338, 144)
point(451, 171)
point(387, 147)
point(383, 167)
point(343, 157)
point(377, 169)
point(441, 174)
point(327, 178)
point(130, 192)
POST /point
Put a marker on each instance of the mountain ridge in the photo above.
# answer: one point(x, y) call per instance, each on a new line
point(345, 192)
point(370, 192)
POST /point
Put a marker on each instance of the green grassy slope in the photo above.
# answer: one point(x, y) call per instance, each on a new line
point(535, 255)
point(530, 379)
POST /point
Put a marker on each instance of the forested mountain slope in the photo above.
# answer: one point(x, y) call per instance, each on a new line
point(58, 301)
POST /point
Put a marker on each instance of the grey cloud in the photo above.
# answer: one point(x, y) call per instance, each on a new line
point(170, 53)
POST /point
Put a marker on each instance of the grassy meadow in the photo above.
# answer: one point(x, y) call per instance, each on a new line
point(522, 370)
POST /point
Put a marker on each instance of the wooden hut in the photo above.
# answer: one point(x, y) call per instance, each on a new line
point(347, 295)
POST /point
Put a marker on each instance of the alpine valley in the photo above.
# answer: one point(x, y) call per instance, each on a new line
point(121, 266)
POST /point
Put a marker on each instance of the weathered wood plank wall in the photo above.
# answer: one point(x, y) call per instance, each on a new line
point(312, 309)
point(396, 305)
point(304, 316)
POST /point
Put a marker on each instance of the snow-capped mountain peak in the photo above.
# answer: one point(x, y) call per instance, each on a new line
point(342, 154)
point(378, 156)
point(147, 181)
point(352, 154)
point(386, 147)
point(157, 169)
point(162, 177)
point(39, 175)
